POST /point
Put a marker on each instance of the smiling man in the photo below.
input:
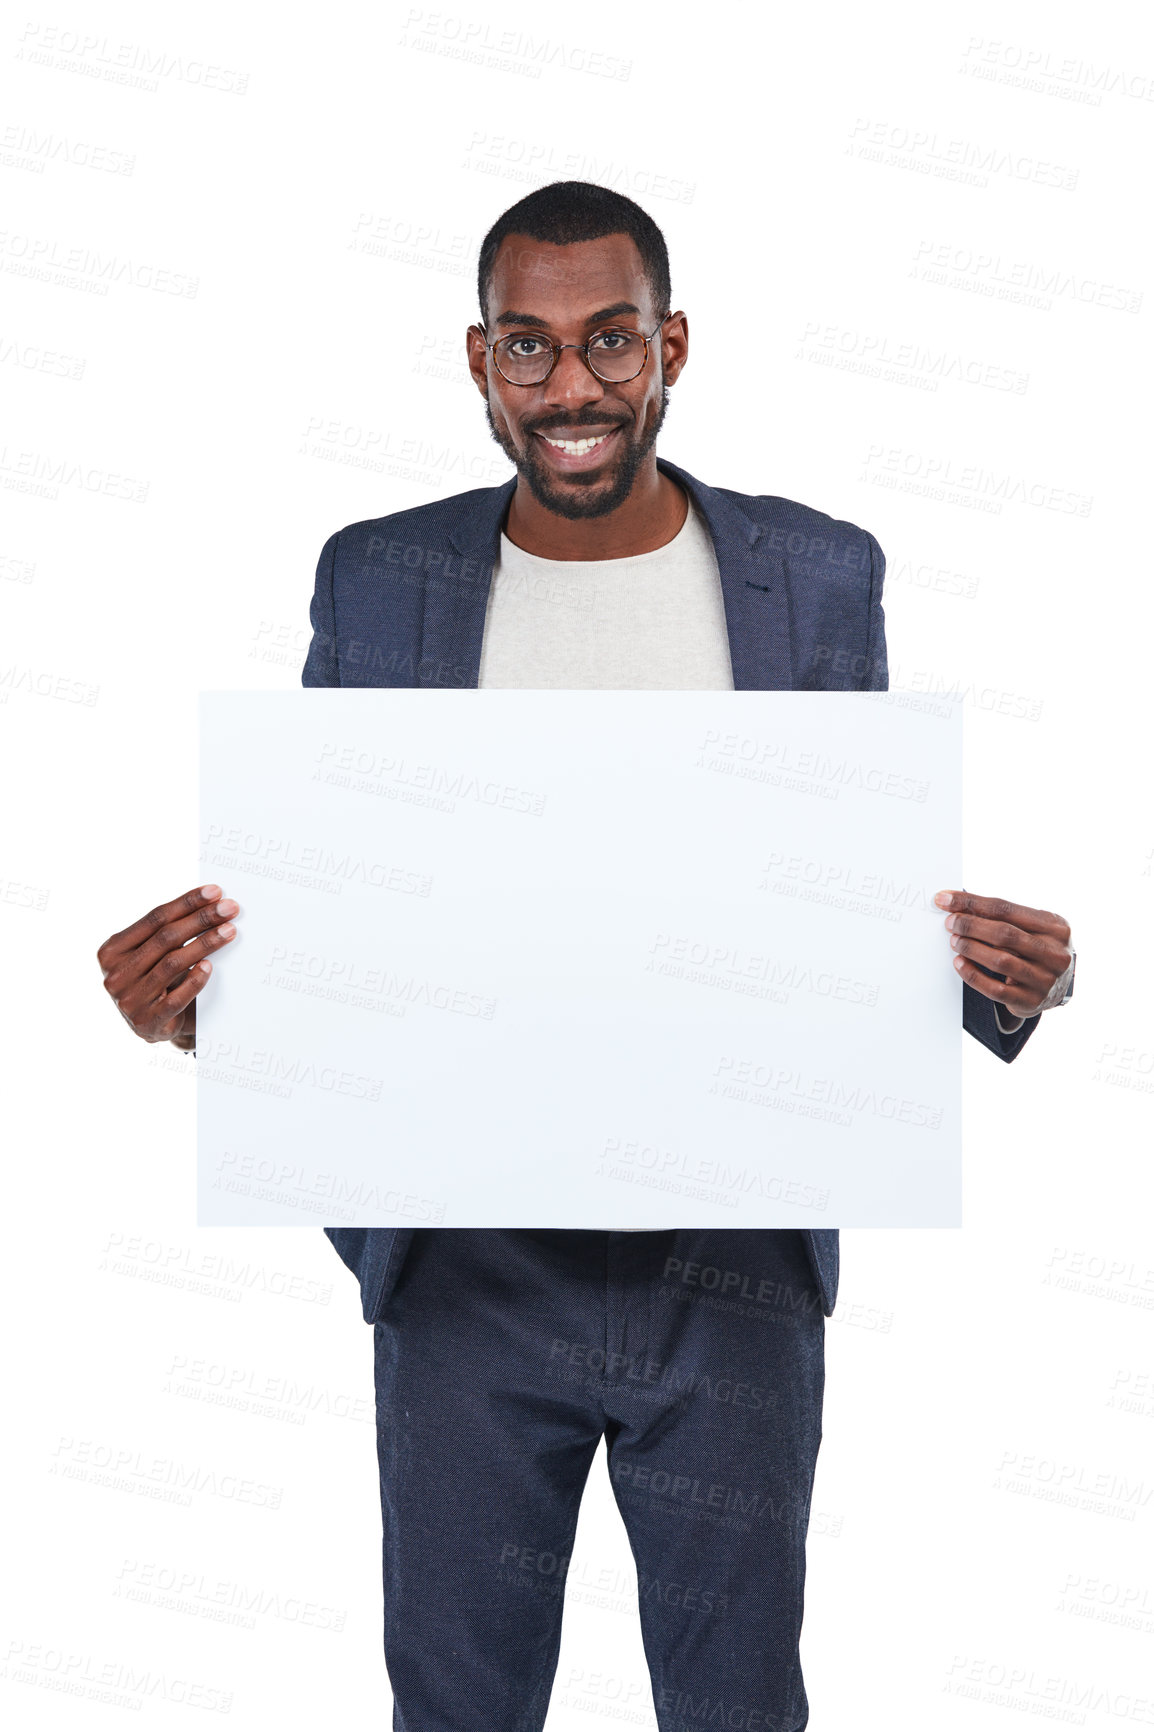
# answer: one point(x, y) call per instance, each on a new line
point(503, 1359)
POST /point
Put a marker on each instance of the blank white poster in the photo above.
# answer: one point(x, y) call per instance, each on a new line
point(581, 959)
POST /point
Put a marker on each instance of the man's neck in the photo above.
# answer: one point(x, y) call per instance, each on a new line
point(652, 515)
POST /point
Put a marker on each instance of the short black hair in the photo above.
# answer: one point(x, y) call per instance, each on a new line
point(578, 210)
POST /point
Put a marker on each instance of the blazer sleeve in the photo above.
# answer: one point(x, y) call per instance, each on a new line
point(979, 1020)
point(977, 1011)
point(877, 665)
point(322, 667)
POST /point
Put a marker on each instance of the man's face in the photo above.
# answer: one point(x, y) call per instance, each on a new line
point(567, 293)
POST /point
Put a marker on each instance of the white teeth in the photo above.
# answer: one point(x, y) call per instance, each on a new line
point(576, 447)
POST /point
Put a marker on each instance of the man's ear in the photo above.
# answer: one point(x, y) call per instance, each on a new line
point(474, 335)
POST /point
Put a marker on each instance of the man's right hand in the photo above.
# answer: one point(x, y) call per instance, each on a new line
point(154, 969)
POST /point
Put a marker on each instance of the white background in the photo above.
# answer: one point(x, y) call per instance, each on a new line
point(804, 165)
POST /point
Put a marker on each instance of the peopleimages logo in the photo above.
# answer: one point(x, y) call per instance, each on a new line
point(1028, 67)
point(307, 864)
point(746, 752)
point(49, 259)
point(448, 782)
point(708, 964)
point(217, 1058)
point(690, 1490)
point(617, 1368)
point(1023, 282)
point(369, 987)
point(135, 64)
point(473, 39)
point(959, 159)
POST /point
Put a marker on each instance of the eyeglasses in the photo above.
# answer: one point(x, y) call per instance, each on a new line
point(612, 355)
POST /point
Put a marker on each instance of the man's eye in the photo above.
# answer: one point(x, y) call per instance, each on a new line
point(611, 341)
point(524, 346)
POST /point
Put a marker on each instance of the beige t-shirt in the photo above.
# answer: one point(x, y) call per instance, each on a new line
point(651, 622)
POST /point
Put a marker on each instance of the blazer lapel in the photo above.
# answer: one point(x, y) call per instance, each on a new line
point(752, 587)
point(457, 590)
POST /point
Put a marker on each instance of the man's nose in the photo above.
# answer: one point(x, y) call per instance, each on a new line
point(571, 384)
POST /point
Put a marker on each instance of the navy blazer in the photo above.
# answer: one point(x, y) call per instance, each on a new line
point(400, 601)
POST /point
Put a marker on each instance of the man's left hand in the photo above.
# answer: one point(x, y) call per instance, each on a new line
point(1028, 945)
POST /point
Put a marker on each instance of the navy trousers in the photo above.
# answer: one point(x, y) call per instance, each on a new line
point(501, 1360)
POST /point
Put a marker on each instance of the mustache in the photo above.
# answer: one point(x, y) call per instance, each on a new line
point(573, 425)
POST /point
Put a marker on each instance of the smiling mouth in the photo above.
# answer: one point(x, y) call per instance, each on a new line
point(576, 447)
point(586, 445)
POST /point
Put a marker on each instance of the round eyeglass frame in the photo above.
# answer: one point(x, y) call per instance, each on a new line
point(531, 384)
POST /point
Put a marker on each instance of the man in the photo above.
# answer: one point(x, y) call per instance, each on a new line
point(503, 1358)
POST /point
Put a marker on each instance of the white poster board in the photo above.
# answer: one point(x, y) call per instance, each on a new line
point(581, 959)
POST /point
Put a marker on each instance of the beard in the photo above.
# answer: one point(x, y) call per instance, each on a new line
point(596, 493)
